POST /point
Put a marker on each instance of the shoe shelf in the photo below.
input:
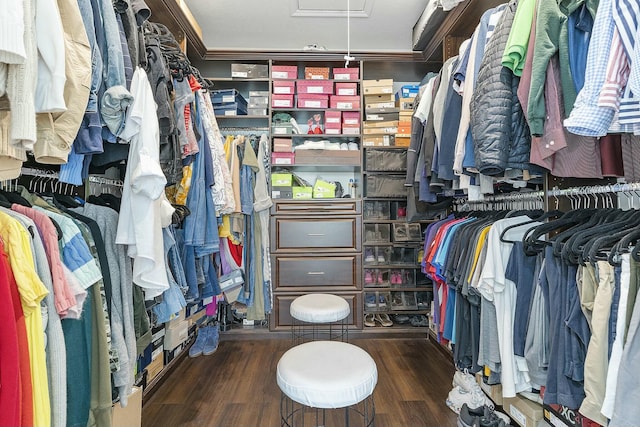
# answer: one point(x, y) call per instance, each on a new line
point(241, 117)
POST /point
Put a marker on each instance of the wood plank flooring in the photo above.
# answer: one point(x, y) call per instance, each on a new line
point(236, 386)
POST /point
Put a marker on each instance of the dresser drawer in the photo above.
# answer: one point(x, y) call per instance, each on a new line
point(317, 207)
point(316, 234)
point(281, 316)
point(301, 273)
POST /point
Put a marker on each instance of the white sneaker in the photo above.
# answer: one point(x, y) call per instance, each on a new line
point(352, 146)
point(458, 397)
point(466, 381)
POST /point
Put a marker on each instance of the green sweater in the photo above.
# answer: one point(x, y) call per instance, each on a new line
point(552, 36)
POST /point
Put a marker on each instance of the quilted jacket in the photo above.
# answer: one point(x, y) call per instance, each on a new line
point(500, 132)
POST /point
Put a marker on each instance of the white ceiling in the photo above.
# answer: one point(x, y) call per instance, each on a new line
point(289, 25)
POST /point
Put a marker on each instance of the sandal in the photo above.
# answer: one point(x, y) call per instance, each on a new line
point(383, 319)
point(369, 320)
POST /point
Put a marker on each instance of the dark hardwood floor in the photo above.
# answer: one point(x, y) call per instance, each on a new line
point(236, 386)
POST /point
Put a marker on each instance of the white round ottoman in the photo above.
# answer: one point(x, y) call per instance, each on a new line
point(319, 376)
point(319, 316)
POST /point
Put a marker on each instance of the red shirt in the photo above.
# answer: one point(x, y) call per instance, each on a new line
point(9, 351)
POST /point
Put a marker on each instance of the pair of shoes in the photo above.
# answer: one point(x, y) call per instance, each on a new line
point(206, 342)
point(369, 256)
point(419, 320)
point(383, 319)
point(344, 146)
point(370, 300)
point(483, 416)
point(466, 381)
point(401, 319)
point(369, 320)
point(352, 146)
point(396, 277)
point(458, 397)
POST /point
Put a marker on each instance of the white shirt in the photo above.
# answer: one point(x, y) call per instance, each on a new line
point(496, 287)
point(12, 50)
point(51, 58)
point(145, 207)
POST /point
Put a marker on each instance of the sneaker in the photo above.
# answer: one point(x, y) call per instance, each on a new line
point(352, 146)
point(401, 319)
point(466, 381)
point(212, 340)
point(419, 320)
point(370, 301)
point(369, 257)
point(381, 258)
point(344, 146)
point(196, 348)
point(458, 397)
point(369, 320)
point(483, 416)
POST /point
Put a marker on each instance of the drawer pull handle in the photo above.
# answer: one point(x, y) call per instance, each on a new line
point(316, 273)
point(315, 234)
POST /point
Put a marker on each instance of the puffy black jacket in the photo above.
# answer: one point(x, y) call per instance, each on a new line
point(500, 133)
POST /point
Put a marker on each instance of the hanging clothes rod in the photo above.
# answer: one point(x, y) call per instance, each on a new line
point(40, 173)
point(515, 196)
point(105, 181)
point(595, 189)
point(243, 130)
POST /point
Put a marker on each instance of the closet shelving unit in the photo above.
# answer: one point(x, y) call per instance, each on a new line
point(316, 243)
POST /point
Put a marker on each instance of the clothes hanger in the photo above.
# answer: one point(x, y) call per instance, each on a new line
point(531, 238)
point(535, 218)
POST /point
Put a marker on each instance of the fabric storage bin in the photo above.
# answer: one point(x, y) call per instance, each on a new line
point(391, 160)
point(323, 87)
point(345, 102)
point(316, 73)
point(347, 89)
point(282, 101)
point(385, 186)
point(313, 101)
point(283, 87)
point(284, 72)
point(346, 73)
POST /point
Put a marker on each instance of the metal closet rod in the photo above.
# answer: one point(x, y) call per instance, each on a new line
point(105, 181)
point(594, 189)
point(515, 196)
point(39, 173)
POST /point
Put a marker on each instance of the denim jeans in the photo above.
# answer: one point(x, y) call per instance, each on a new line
point(172, 299)
point(96, 56)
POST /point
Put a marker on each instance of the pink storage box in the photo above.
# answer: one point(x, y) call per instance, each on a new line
point(333, 117)
point(283, 87)
point(282, 101)
point(283, 158)
point(346, 89)
point(329, 125)
point(284, 72)
point(351, 118)
point(333, 131)
point(345, 102)
point(346, 73)
point(324, 87)
point(350, 129)
point(313, 101)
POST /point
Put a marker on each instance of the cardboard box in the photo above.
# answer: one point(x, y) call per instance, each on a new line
point(197, 318)
point(281, 192)
point(408, 91)
point(323, 87)
point(346, 73)
point(332, 117)
point(313, 101)
point(377, 87)
point(335, 157)
point(346, 89)
point(348, 129)
point(193, 307)
point(402, 141)
point(176, 335)
point(381, 117)
point(176, 319)
point(370, 125)
point(316, 73)
point(282, 158)
point(257, 111)
point(169, 355)
point(281, 179)
point(378, 140)
point(345, 102)
point(258, 101)
point(284, 87)
point(493, 391)
point(324, 190)
point(154, 368)
point(405, 104)
point(281, 101)
point(284, 72)
point(380, 131)
point(282, 145)
point(131, 416)
point(351, 117)
point(250, 71)
point(333, 130)
point(404, 129)
point(563, 416)
point(379, 101)
point(302, 192)
point(523, 411)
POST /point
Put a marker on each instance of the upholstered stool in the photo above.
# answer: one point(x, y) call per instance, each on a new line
point(327, 383)
point(319, 316)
